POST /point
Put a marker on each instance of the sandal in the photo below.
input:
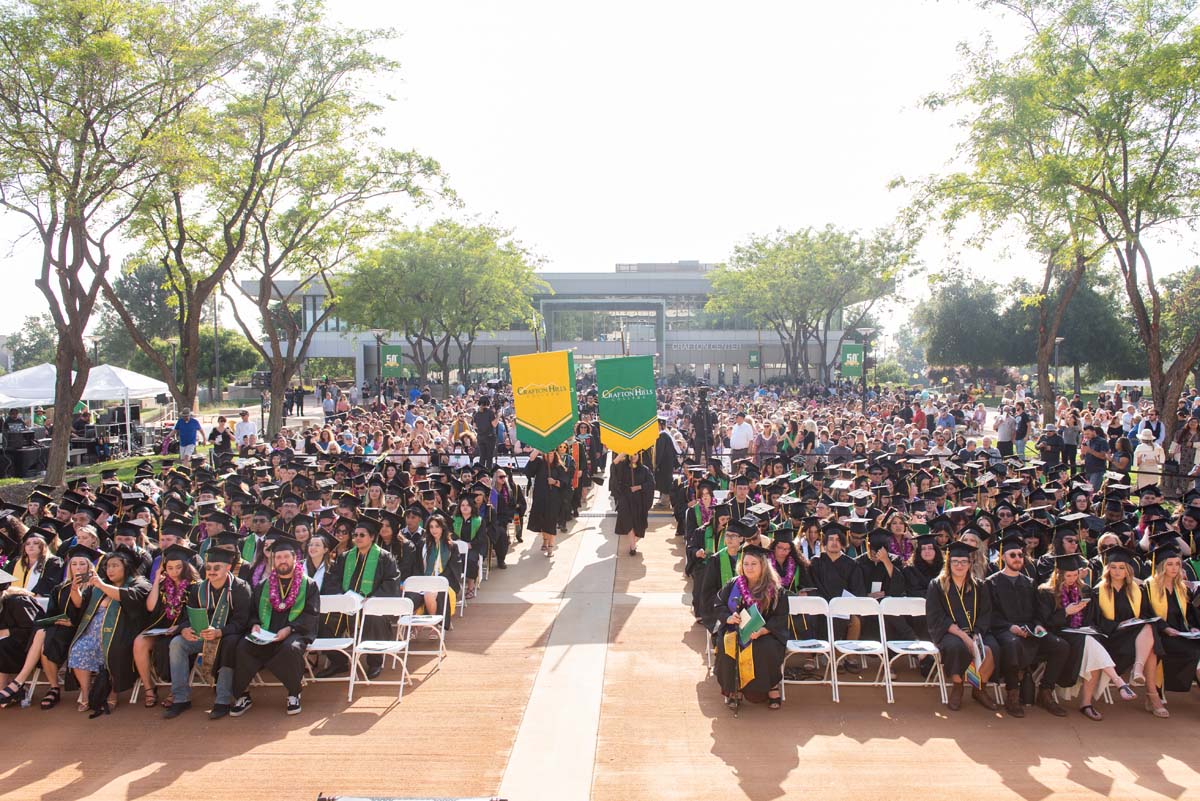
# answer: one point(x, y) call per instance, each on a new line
point(1090, 712)
point(151, 699)
point(774, 702)
point(1127, 692)
point(1158, 711)
point(51, 698)
point(10, 696)
point(1137, 676)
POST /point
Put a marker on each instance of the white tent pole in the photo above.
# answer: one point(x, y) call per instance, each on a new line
point(128, 441)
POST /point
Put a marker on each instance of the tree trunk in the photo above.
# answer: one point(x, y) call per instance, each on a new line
point(1075, 370)
point(1045, 353)
point(280, 378)
point(66, 395)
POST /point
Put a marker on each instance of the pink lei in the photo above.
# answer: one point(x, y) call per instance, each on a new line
point(284, 604)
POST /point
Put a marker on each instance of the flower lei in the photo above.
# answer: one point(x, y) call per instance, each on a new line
point(1068, 596)
point(174, 593)
point(706, 513)
point(283, 604)
point(786, 578)
point(744, 589)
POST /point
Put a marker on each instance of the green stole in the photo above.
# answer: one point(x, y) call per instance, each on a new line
point(369, 569)
point(726, 566)
point(711, 540)
point(476, 522)
point(431, 559)
point(264, 600)
point(108, 626)
point(251, 543)
point(220, 613)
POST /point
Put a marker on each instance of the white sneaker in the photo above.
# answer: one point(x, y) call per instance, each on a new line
point(293, 705)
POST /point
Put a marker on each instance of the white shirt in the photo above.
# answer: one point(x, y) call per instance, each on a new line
point(244, 428)
point(740, 436)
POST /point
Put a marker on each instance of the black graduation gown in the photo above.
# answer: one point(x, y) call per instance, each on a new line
point(18, 610)
point(633, 508)
point(1121, 644)
point(1179, 655)
point(546, 499)
point(833, 576)
point(50, 577)
point(451, 570)
point(476, 535)
point(665, 461)
point(119, 659)
point(237, 622)
point(57, 642)
point(767, 651)
point(694, 537)
point(286, 658)
point(1015, 603)
point(972, 613)
point(387, 585)
point(711, 585)
point(803, 627)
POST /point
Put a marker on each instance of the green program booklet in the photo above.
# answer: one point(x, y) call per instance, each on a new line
point(751, 621)
point(197, 619)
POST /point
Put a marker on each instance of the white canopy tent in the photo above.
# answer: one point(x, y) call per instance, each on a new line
point(35, 386)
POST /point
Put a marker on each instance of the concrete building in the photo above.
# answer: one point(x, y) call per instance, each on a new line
point(638, 309)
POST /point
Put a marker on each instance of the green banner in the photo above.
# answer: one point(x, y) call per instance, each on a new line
point(755, 358)
point(852, 360)
point(627, 403)
point(392, 357)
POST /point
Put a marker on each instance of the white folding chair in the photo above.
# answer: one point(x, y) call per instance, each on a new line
point(917, 649)
point(423, 585)
point(817, 607)
point(464, 553)
point(349, 604)
point(865, 608)
point(397, 648)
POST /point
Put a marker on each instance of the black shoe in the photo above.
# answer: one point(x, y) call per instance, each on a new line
point(241, 706)
point(331, 671)
point(373, 672)
point(176, 709)
point(218, 711)
point(501, 566)
point(293, 704)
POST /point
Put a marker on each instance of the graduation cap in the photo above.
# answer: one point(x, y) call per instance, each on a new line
point(90, 554)
point(761, 509)
point(862, 496)
point(741, 529)
point(277, 541)
point(722, 510)
point(941, 521)
point(959, 549)
point(978, 531)
point(834, 527)
point(127, 529)
point(784, 534)
point(754, 549)
point(222, 554)
point(175, 529)
point(1012, 542)
point(178, 552)
point(1069, 561)
point(370, 524)
point(37, 496)
point(41, 533)
point(417, 510)
point(126, 553)
point(1117, 553)
point(878, 538)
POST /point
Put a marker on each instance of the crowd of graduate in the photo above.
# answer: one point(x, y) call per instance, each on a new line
point(1035, 575)
point(220, 561)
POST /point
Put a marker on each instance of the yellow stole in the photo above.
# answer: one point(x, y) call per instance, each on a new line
point(1158, 596)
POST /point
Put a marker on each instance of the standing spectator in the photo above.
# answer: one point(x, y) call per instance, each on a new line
point(486, 425)
point(328, 405)
point(188, 432)
point(1154, 426)
point(1148, 459)
point(246, 433)
point(1070, 431)
point(221, 437)
point(1020, 430)
point(1050, 445)
point(740, 437)
point(1094, 449)
point(1183, 451)
point(1005, 428)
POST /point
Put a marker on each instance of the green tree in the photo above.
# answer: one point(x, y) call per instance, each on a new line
point(1181, 312)
point(88, 92)
point(250, 157)
point(437, 286)
point(805, 285)
point(1119, 81)
point(35, 342)
point(238, 356)
point(960, 324)
point(142, 287)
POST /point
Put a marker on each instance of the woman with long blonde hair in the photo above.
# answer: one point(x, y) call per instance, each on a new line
point(754, 592)
point(958, 611)
point(1167, 592)
point(1118, 598)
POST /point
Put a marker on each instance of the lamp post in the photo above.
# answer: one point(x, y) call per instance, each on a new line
point(379, 334)
point(865, 333)
point(1057, 378)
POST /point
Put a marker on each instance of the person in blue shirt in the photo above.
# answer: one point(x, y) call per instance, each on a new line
point(188, 431)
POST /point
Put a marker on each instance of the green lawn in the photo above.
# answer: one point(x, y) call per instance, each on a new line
point(124, 468)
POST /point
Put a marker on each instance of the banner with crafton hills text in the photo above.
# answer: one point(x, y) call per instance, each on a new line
point(544, 396)
point(628, 405)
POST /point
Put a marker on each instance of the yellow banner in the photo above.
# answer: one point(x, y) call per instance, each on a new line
point(544, 396)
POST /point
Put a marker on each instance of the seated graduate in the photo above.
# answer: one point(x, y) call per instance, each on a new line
point(1117, 599)
point(1169, 598)
point(319, 564)
point(371, 572)
point(38, 569)
point(833, 573)
point(54, 633)
point(224, 599)
point(438, 557)
point(793, 577)
point(166, 608)
point(753, 668)
point(285, 606)
point(18, 610)
point(1063, 604)
point(468, 527)
point(958, 611)
point(1021, 634)
point(702, 543)
point(721, 568)
point(108, 614)
point(923, 566)
point(883, 577)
